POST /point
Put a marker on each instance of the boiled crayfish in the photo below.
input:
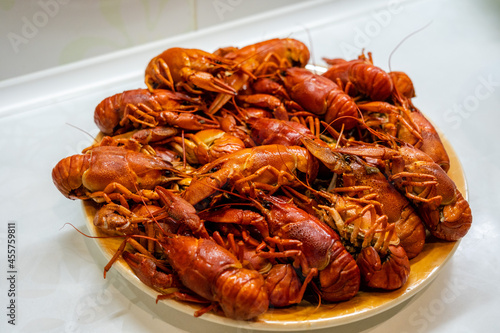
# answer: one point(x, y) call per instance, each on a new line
point(240, 180)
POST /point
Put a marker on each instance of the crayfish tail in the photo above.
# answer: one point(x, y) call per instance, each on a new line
point(388, 274)
point(340, 280)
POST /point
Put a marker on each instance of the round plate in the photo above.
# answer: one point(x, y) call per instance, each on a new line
point(424, 269)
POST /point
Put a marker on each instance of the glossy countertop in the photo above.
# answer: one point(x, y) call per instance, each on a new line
point(451, 54)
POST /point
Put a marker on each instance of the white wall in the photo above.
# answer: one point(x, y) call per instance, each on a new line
point(40, 34)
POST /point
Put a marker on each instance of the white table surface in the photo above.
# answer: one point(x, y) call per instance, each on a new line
point(454, 63)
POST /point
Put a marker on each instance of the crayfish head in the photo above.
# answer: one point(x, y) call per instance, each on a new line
point(336, 162)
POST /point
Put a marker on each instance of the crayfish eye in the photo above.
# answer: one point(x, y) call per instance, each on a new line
point(214, 169)
point(266, 204)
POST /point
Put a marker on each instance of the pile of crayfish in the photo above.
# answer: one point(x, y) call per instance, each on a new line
point(243, 180)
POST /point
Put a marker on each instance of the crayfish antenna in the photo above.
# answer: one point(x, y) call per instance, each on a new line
point(404, 40)
point(85, 132)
